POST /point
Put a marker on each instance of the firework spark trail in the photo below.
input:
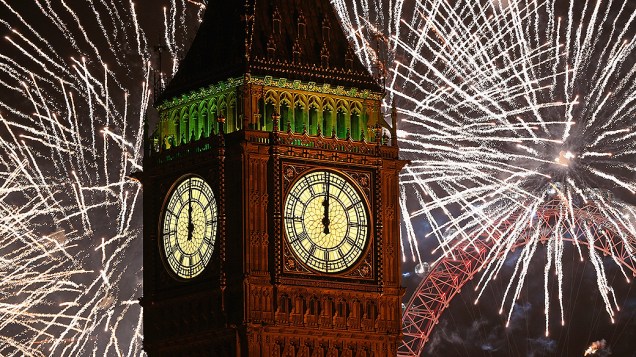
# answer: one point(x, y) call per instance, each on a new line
point(70, 134)
point(507, 108)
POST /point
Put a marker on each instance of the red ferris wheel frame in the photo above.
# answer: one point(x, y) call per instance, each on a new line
point(449, 274)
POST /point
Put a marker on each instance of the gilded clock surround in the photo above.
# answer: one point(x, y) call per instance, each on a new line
point(326, 221)
point(362, 268)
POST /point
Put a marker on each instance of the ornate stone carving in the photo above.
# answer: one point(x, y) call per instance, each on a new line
point(290, 263)
point(364, 269)
point(290, 173)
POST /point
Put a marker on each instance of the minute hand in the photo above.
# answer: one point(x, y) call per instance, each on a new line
point(190, 225)
point(325, 203)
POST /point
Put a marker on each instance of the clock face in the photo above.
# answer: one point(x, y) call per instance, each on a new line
point(326, 221)
point(188, 229)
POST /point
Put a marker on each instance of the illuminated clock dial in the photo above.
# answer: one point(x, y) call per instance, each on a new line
point(188, 229)
point(326, 221)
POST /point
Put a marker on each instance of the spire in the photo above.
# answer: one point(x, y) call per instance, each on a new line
point(292, 39)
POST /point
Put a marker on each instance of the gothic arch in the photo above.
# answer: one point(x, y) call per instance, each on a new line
point(315, 102)
point(450, 274)
point(314, 306)
point(343, 105)
point(193, 133)
point(301, 117)
point(271, 97)
point(212, 109)
point(211, 102)
point(356, 107)
point(221, 104)
point(184, 126)
point(358, 123)
point(204, 120)
point(174, 116)
point(300, 99)
point(288, 98)
point(172, 130)
point(342, 117)
point(232, 122)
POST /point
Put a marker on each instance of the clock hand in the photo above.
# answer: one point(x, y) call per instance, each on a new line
point(325, 218)
point(325, 203)
point(190, 225)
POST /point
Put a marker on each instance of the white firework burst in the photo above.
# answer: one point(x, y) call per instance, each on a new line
point(508, 107)
point(71, 131)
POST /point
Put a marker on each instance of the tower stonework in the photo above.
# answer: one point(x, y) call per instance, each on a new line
point(271, 213)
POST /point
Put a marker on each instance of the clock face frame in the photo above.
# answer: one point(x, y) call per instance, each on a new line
point(188, 227)
point(326, 221)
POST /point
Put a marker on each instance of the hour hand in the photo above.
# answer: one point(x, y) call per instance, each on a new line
point(325, 218)
point(190, 224)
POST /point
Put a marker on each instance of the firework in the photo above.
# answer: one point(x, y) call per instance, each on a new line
point(597, 348)
point(510, 108)
point(506, 106)
point(75, 90)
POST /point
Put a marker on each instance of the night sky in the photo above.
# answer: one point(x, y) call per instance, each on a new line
point(465, 329)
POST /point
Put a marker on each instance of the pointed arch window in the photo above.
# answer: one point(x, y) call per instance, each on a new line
point(313, 120)
point(341, 123)
point(327, 121)
point(299, 118)
point(276, 21)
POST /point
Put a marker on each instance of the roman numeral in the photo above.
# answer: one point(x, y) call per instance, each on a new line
point(170, 211)
point(296, 198)
point(312, 251)
point(352, 205)
point(301, 237)
point(311, 188)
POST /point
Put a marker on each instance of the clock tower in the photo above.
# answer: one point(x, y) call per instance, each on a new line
point(271, 214)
